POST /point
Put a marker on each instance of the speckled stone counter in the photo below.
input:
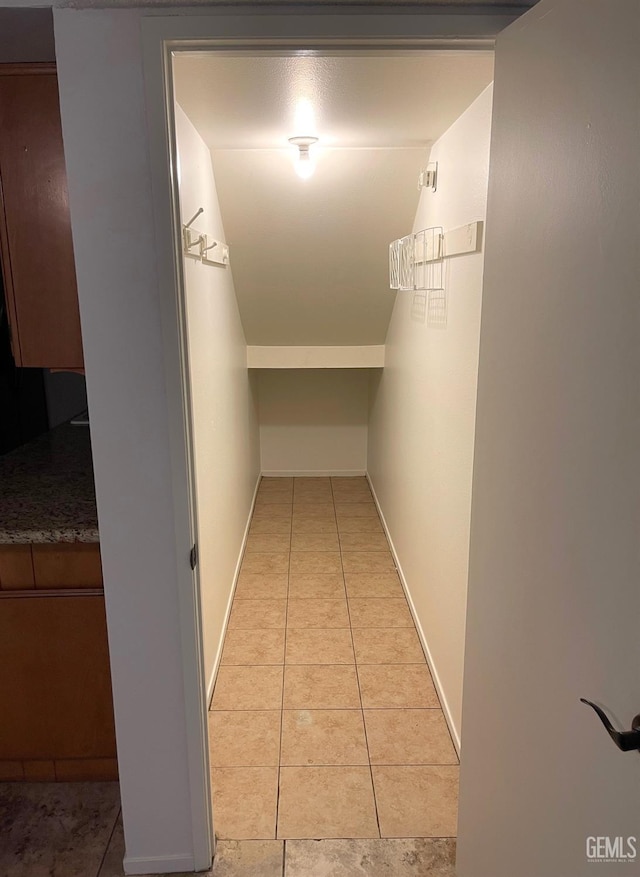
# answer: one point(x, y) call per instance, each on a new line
point(47, 492)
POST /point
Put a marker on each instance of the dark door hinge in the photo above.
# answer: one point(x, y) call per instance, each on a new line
point(193, 555)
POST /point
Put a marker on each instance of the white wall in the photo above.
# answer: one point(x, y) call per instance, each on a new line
point(107, 147)
point(99, 57)
point(313, 421)
point(554, 601)
point(225, 424)
point(423, 409)
point(107, 155)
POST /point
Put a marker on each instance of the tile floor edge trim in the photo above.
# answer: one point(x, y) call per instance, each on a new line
point(158, 864)
point(314, 473)
point(423, 640)
point(216, 664)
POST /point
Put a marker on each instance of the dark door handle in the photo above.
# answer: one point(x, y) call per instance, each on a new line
point(625, 740)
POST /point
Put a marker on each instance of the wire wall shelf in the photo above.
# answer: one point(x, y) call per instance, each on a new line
point(394, 265)
point(407, 264)
point(416, 260)
point(401, 263)
point(428, 259)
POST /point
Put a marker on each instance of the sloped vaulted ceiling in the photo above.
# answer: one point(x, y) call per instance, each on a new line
point(309, 257)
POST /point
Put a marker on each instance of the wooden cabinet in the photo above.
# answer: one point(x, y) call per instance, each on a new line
point(35, 230)
point(50, 565)
point(54, 679)
point(55, 684)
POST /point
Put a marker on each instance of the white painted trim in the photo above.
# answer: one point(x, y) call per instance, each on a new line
point(216, 663)
point(455, 735)
point(289, 29)
point(163, 159)
point(312, 473)
point(356, 356)
point(392, 28)
point(158, 864)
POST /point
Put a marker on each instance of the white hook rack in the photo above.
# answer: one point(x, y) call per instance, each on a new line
point(203, 246)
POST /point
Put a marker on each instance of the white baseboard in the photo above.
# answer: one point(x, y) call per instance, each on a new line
point(158, 864)
point(455, 735)
point(311, 473)
point(216, 663)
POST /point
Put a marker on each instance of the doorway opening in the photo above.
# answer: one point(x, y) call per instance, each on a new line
point(332, 426)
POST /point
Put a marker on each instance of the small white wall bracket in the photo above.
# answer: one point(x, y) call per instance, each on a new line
point(428, 177)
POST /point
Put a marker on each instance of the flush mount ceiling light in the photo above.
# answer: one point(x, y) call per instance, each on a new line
point(304, 164)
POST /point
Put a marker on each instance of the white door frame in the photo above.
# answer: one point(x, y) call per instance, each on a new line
point(251, 30)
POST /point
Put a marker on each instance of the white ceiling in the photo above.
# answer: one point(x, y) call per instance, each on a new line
point(309, 257)
point(401, 100)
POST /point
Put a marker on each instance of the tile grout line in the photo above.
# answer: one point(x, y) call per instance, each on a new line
point(341, 764)
point(286, 629)
point(331, 708)
point(284, 662)
point(108, 844)
point(355, 663)
point(332, 663)
point(253, 631)
point(412, 626)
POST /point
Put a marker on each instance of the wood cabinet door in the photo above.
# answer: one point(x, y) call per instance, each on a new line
point(55, 682)
point(35, 227)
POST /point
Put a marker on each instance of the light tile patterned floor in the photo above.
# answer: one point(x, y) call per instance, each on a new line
point(75, 830)
point(324, 721)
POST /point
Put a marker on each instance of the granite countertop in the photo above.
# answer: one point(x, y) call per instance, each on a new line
point(47, 492)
